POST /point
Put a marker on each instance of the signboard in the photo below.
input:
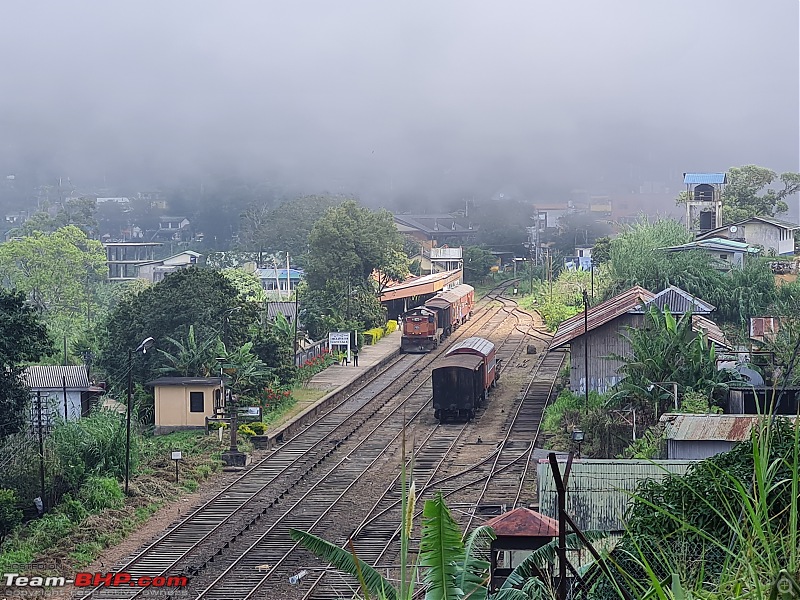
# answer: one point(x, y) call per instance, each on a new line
point(339, 338)
point(177, 455)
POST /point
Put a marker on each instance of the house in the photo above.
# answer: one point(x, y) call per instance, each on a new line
point(726, 253)
point(173, 229)
point(155, 270)
point(608, 321)
point(437, 229)
point(280, 280)
point(185, 402)
point(697, 437)
point(54, 381)
point(771, 234)
point(123, 258)
point(287, 309)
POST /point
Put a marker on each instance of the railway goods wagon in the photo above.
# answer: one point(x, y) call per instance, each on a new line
point(421, 332)
point(454, 307)
point(462, 380)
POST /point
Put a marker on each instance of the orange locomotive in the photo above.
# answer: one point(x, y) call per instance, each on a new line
point(425, 327)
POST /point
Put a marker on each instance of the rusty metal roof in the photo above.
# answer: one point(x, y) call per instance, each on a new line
point(462, 361)
point(693, 427)
point(715, 335)
point(523, 522)
point(600, 315)
point(447, 298)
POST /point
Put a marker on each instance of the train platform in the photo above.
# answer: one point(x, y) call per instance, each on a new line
point(334, 382)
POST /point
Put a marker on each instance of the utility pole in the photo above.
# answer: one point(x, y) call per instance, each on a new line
point(586, 346)
point(41, 446)
point(64, 387)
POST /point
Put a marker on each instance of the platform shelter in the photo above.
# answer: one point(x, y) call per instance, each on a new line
point(414, 291)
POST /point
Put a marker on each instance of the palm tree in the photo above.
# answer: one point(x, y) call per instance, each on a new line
point(192, 358)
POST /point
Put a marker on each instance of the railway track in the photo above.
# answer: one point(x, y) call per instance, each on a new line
point(190, 546)
point(375, 539)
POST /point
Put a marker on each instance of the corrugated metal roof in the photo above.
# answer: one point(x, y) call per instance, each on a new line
point(692, 427)
point(598, 491)
point(678, 301)
point(714, 244)
point(164, 381)
point(287, 309)
point(695, 178)
point(600, 315)
point(48, 377)
point(770, 220)
point(477, 344)
point(523, 522)
point(715, 335)
point(776, 222)
point(270, 274)
point(450, 296)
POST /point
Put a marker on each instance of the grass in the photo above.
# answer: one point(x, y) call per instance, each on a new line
point(71, 538)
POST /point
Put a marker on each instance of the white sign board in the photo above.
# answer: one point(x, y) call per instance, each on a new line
point(177, 455)
point(339, 338)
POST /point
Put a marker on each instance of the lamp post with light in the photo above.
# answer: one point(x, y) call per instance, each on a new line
point(143, 348)
point(577, 438)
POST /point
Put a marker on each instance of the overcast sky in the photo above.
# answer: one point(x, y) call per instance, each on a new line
point(384, 99)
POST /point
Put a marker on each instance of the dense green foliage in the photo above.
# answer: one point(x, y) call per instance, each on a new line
point(23, 337)
point(10, 514)
point(188, 297)
point(737, 294)
point(741, 198)
point(727, 527)
point(284, 228)
point(666, 349)
point(59, 272)
point(477, 263)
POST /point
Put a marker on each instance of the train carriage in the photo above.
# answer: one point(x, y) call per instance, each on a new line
point(463, 379)
point(454, 307)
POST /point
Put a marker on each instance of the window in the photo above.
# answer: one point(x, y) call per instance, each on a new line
point(197, 401)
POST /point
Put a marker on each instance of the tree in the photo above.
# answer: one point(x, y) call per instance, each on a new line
point(348, 245)
point(59, 272)
point(79, 212)
point(247, 283)
point(741, 198)
point(285, 228)
point(192, 358)
point(578, 229)
point(193, 296)
point(23, 337)
point(10, 514)
point(601, 251)
point(477, 263)
point(666, 349)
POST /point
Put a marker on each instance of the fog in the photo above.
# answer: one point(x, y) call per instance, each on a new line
point(398, 100)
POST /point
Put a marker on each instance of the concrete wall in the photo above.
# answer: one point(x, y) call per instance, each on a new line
point(603, 341)
point(172, 407)
point(55, 399)
point(769, 236)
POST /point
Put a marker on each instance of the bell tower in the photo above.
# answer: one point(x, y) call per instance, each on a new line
point(704, 201)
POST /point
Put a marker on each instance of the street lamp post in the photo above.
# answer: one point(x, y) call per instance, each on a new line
point(143, 347)
point(586, 346)
point(577, 438)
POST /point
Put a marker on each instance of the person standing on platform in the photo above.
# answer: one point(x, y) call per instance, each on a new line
point(355, 356)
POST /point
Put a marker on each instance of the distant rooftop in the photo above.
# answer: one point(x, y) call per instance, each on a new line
point(678, 301)
point(715, 244)
point(697, 178)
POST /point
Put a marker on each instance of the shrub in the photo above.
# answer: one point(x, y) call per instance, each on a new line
point(99, 493)
point(245, 430)
point(10, 514)
point(214, 425)
point(49, 530)
point(73, 509)
point(371, 336)
point(391, 326)
point(259, 428)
